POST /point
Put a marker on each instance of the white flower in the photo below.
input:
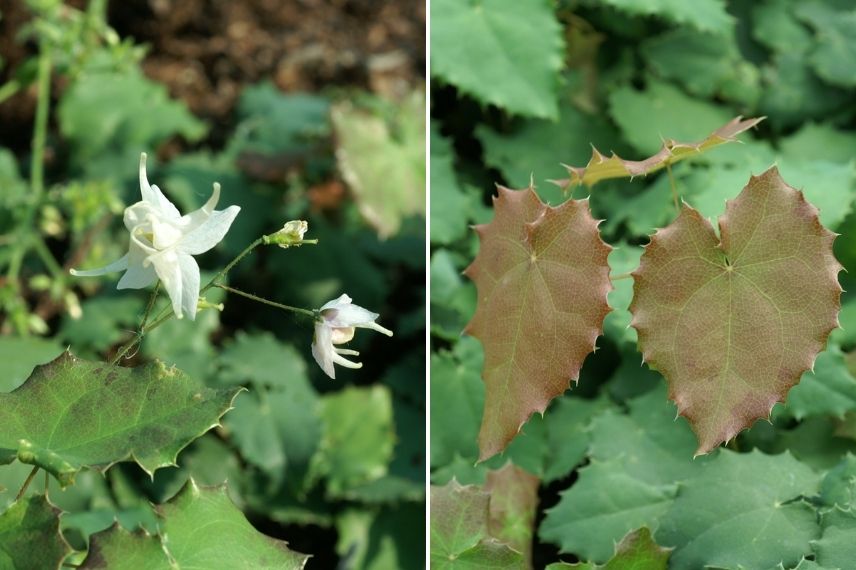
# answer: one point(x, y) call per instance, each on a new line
point(163, 241)
point(339, 318)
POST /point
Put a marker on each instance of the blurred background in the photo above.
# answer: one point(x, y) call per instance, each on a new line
point(301, 109)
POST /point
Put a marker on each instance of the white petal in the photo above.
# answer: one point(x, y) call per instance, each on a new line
point(166, 266)
point(347, 351)
point(345, 362)
point(189, 285)
point(154, 196)
point(118, 265)
point(196, 218)
point(336, 303)
point(342, 335)
point(138, 275)
point(209, 233)
point(322, 349)
point(350, 316)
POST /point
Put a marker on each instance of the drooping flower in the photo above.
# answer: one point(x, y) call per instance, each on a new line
point(163, 243)
point(339, 320)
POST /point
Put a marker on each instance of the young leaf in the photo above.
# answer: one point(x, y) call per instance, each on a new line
point(600, 167)
point(502, 62)
point(30, 537)
point(743, 509)
point(459, 531)
point(513, 502)
point(228, 540)
point(636, 551)
point(72, 413)
point(732, 323)
point(542, 277)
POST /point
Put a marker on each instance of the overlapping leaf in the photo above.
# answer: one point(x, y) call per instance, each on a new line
point(704, 15)
point(636, 551)
point(542, 277)
point(732, 323)
point(228, 540)
point(459, 531)
point(72, 413)
point(601, 167)
point(30, 537)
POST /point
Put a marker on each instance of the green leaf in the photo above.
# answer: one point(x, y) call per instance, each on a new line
point(457, 402)
point(829, 389)
point(705, 64)
point(106, 137)
point(357, 438)
point(449, 204)
point(72, 414)
point(502, 62)
point(775, 26)
point(742, 510)
point(837, 547)
point(103, 322)
point(20, 355)
point(834, 52)
point(531, 274)
point(537, 146)
point(568, 426)
point(453, 299)
point(459, 531)
point(839, 484)
point(819, 141)
point(703, 15)
point(262, 359)
point(376, 541)
point(604, 504)
point(748, 312)
point(383, 161)
point(622, 260)
point(277, 122)
point(662, 110)
point(30, 537)
point(228, 541)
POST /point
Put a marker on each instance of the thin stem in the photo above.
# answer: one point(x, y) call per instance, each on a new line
point(622, 276)
point(232, 264)
point(673, 186)
point(37, 164)
point(151, 304)
point(47, 258)
point(8, 89)
point(47, 482)
point(27, 482)
point(306, 312)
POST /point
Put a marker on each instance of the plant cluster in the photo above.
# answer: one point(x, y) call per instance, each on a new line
point(685, 290)
point(203, 407)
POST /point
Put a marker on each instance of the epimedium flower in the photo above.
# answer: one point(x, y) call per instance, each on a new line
point(163, 243)
point(338, 321)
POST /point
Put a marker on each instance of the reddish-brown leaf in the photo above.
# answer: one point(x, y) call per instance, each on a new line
point(733, 321)
point(542, 280)
point(600, 167)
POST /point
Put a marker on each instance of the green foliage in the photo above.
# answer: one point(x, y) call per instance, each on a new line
point(72, 414)
point(229, 539)
point(639, 74)
point(636, 551)
point(502, 62)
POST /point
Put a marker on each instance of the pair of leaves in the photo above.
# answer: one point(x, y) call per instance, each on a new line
point(71, 414)
point(731, 321)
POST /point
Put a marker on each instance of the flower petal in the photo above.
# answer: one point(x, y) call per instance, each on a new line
point(322, 349)
point(350, 316)
point(138, 275)
point(196, 218)
point(336, 303)
point(154, 196)
point(210, 233)
point(189, 285)
point(118, 265)
point(167, 268)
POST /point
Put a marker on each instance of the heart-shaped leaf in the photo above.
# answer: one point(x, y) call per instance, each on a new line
point(733, 321)
point(542, 277)
point(72, 413)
